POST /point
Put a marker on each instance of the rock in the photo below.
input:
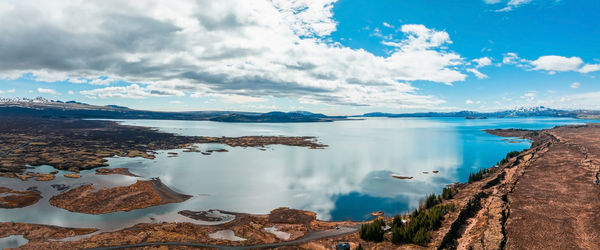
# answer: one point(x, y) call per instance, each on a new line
point(142, 194)
point(73, 176)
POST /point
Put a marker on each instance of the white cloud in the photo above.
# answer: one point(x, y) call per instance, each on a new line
point(575, 85)
point(252, 48)
point(477, 74)
point(482, 62)
point(589, 68)
point(101, 81)
point(551, 63)
point(468, 102)
point(557, 63)
point(491, 1)
point(8, 91)
point(47, 91)
point(70, 92)
point(388, 25)
point(133, 91)
point(512, 4)
point(175, 102)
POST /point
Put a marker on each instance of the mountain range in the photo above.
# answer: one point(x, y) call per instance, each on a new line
point(73, 109)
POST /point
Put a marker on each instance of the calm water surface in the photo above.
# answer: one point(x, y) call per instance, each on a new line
point(347, 180)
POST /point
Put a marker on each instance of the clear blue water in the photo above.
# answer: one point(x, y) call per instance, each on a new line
point(348, 180)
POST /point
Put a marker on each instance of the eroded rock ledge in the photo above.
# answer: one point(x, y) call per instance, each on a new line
point(142, 194)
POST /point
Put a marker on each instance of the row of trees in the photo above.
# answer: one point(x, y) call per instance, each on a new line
point(421, 221)
point(424, 219)
point(473, 177)
point(508, 156)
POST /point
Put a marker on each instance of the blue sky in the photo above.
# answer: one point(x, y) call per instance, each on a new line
point(335, 57)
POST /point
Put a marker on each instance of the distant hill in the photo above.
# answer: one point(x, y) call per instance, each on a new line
point(72, 109)
point(540, 111)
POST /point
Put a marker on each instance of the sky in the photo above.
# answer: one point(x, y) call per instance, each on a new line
point(327, 56)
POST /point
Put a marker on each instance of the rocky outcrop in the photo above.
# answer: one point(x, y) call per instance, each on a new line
point(16, 199)
point(142, 194)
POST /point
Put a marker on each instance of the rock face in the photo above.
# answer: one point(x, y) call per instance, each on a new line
point(142, 194)
point(16, 199)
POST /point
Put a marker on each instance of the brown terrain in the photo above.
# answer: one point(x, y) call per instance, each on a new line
point(75, 144)
point(251, 228)
point(545, 197)
point(16, 199)
point(108, 171)
point(142, 194)
point(40, 233)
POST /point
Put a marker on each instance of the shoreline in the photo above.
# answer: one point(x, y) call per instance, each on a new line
point(489, 226)
point(77, 144)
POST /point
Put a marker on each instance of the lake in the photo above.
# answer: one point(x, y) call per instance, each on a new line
point(349, 179)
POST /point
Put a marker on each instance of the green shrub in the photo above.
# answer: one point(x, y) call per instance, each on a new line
point(447, 193)
point(372, 231)
point(431, 201)
point(397, 221)
point(478, 175)
point(421, 221)
point(512, 154)
point(508, 156)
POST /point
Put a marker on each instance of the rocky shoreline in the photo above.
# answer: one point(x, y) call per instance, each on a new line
point(552, 185)
point(253, 229)
point(75, 144)
point(142, 194)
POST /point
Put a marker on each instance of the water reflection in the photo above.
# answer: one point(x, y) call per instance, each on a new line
point(349, 179)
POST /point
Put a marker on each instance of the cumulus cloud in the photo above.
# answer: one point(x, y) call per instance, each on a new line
point(47, 91)
point(575, 85)
point(260, 48)
point(557, 63)
point(482, 62)
point(589, 68)
point(551, 63)
point(468, 102)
